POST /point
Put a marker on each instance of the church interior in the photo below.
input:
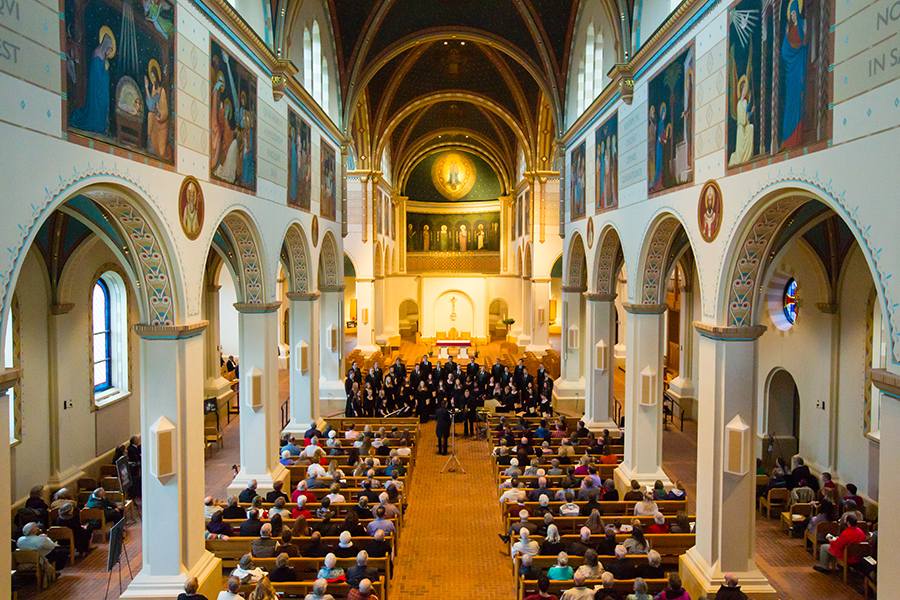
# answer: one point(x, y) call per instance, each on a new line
point(636, 251)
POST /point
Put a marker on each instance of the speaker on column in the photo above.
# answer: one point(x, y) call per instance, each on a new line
point(302, 357)
point(737, 447)
point(331, 337)
point(162, 453)
point(572, 341)
point(602, 358)
point(254, 381)
point(541, 315)
point(648, 386)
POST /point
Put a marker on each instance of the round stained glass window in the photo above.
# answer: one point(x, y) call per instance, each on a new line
point(790, 301)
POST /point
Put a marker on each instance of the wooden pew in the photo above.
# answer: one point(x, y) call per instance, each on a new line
point(302, 588)
point(573, 525)
point(233, 549)
point(623, 587)
point(308, 568)
point(669, 545)
point(339, 508)
point(667, 507)
point(289, 523)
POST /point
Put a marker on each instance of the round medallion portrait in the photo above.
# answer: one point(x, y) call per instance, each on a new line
point(590, 232)
point(709, 211)
point(190, 207)
point(453, 175)
point(315, 231)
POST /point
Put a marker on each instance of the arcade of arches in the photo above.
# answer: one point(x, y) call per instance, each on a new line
point(680, 210)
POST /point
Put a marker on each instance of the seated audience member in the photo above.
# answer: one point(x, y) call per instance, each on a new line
point(292, 447)
point(264, 545)
point(279, 508)
point(592, 506)
point(581, 545)
point(331, 572)
point(379, 522)
point(542, 593)
point(561, 571)
point(800, 473)
point(249, 493)
point(282, 572)
point(850, 509)
point(252, 526)
point(635, 495)
point(351, 433)
point(257, 503)
point(210, 507)
point(301, 510)
point(621, 568)
point(247, 571)
point(594, 522)
point(391, 511)
point(569, 509)
point(36, 501)
point(286, 459)
point(232, 593)
point(610, 493)
point(300, 527)
point(233, 510)
point(647, 507)
point(607, 588)
point(316, 547)
point(191, 587)
point(591, 569)
point(540, 490)
point(545, 525)
point(552, 544)
point(676, 493)
point(302, 491)
point(607, 546)
point(276, 492)
point(362, 508)
point(637, 544)
point(579, 592)
point(286, 545)
point(217, 525)
point(345, 547)
point(827, 552)
point(352, 525)
point(641, 591)
point(587, 489)
point(827, 484)
point(777, 480)
point(81, 534)
point(826, 514)
point(659, 490)
point(527, 570)
point(682, 524)
point(318, 592)
point(673, 590)
point(34, 539)
point(730, 590)
point(362, 570)
point(111, 512)
point(651, 569)
point(525, 546)
point(324, 509)
point(326, 527)
point(380, 547)
point(264, 590)
point(364, 591)
point(659, 524)
point(852, 496)
point(61, 497)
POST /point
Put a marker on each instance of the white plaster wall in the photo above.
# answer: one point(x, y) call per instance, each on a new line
point(228, 315)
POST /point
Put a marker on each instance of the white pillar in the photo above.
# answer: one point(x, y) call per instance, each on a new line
point(622, 292)
point(726, 465)
point(682, 387)
point(569, 388)
point(378, 310)
point(332, 396)
point(8, 378)
point(62, 472)
point(540, 330)
point(599, 403)
point(527, 312)
point(215, 384)
point(888, 482)
point(260, 426)
point(172, 373)
point(643, 397)
point(365, 316)
point(304, 363)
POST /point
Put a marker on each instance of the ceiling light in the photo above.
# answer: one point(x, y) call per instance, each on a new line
point(462, 43)
point(445, 43)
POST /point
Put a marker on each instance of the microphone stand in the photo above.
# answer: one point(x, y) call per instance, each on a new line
point(453, 446)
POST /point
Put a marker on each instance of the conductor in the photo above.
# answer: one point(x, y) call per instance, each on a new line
point(442, 419)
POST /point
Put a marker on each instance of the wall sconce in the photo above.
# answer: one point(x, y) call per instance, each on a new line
point(573, 338)
point(648, 386)
point(602, 356)
point(162, 457)
point(254, 388)
point(541, 315)
point(737, 447)
point(302, 354)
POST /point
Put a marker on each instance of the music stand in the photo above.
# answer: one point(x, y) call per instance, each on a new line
point(453, 445)
point(114, 557)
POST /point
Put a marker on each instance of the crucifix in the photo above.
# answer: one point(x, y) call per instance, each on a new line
point(452, 308)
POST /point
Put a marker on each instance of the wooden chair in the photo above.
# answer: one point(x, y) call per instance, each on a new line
point(108, 471)
point(96, 514)
point(58, 534)
point(870, 585)
point(860, 550)
point(28, 561)
point(87, 484)
point(800, 510)
point(110, 484)
point(54, 515)
point(777, 498)
point(815, 537)
point(214, 436)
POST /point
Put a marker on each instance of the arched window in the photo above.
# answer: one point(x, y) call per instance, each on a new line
point(325, 95)
point(316, 90)
point(789, 300)
point(599, 70)
point(12, 354)
point(589, 67)
point(109, 328)
point(307, 59)
point(580, 95)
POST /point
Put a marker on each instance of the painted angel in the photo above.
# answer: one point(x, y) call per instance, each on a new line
point(740, 105)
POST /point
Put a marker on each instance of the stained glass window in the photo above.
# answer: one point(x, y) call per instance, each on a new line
point(790, 300)
point(102, 341)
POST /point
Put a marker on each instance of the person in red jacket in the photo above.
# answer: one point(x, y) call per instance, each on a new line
point(827, 552)
point(659, 524)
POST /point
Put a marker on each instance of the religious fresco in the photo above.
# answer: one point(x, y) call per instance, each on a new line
point(778, 89)
point(120, 72)
point(526, 200)
point(577, 182)
point(299, 162)
point(709, 211)
point(232, 119)
point(426, 232)
point(606, 160)
point(453, 175)
point(191, 207)
point(670, 124)
point(328, 207)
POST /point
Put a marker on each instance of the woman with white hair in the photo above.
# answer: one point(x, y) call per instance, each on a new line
point(641, 591)
point(532, 469)
point(318, 591)
point(513, 470)
point(552, 543)
point(330, 572)
point(561, 571)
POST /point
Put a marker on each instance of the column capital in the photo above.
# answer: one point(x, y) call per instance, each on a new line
point(887, 382)
point(729, 334)
point(600, 297)
point(211, 289)
point(829, 308)
point(61, 308)
point(332, 288)
point(573, 289)
point(645, 309)
point(243, 307)
point(300, 296)
point(170, 332)
point(8, 378)
point(540, 279)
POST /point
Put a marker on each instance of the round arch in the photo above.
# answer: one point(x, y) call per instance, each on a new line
point(526, 272)
point(330, 269)
point(609, 260)
point(296, 258)
point(519, 262)
point(239, 242)
point(665, 242)
point(575, 274)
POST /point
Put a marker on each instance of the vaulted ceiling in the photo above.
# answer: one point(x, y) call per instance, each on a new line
point(418, 76)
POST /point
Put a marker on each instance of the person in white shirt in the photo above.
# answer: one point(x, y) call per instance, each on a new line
point(247, 571)
point(234, 584)
point(316, 468)
point(512, 494)
point(352, 433)
point(335, 495)
point(211, 507)
point(525, 546)
point(313, 451)
point(33, 539)
point(569, 509)
point(404, 449)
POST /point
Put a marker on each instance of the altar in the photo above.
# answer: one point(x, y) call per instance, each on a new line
point(445, 345)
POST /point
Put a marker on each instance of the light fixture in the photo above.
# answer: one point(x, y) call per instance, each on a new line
point(445, 43)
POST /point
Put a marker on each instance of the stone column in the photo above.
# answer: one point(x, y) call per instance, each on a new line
point(527, 312)
point(619, 351)
point(726, 464)
point(540, 331)
point(215, 384)
point(377, 316)
point(682, 387)
point(332, 396)
point(832, 310)
point(401, 231)
point(260, 424)
point(365, 313)
point(888, 482)
point(643, 397)
point(569, 388)
point(172, 373)
point(8, 378)
point(304, 364)
point(62, 473)
point(599, 403)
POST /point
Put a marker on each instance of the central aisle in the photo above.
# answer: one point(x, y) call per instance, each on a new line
point(450, 547)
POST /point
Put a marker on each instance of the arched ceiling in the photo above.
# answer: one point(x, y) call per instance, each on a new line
point(415, 74)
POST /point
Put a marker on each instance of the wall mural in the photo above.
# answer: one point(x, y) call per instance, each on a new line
point(577, 182)
point(453, 175)
point(670, 124)
point(119, 74)
point(606, 148)
point(232, 119)
point(526, 199)
point(191, 207)
point(299, 162)
point(453, 233)
point(778, 58)
point(329, 193)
